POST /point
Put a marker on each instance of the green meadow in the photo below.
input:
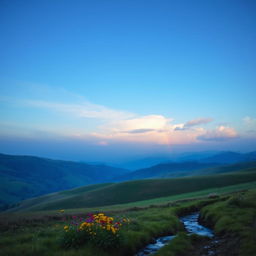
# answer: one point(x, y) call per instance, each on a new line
point(134, 191)
point(231, 213)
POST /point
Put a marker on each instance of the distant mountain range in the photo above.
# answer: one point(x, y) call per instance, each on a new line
point(173, 170)
point(23, 177)
point(202, 157)
point(230, 157)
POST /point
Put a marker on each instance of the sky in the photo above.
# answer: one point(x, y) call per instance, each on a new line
point(117, 80)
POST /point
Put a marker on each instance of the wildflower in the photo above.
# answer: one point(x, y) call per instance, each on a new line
point(96, 222)
point(113, 230)
point(61, 211)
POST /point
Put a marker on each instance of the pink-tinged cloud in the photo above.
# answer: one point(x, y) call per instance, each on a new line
point(140, 131)
point(221, 133)
point(198, 121)
point(155, 129)
point(193, 123)
point(102, 143)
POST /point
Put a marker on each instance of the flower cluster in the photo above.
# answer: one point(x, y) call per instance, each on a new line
point(99, 229)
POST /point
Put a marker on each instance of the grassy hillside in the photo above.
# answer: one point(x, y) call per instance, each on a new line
point(23, 177)
point(132, 191)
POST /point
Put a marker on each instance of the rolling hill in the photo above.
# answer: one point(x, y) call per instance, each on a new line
point(23, 177)
point(131, 191)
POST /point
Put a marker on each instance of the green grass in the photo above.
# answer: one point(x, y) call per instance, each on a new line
point(180, 245)
point(44, 238)
point(132, 191)
point(236, 218)
point(53, 197)
point(232, 214)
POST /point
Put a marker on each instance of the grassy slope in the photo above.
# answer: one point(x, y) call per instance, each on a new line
point(66, 194)
point(136, 191)
point(235, 218)
point(17, 216)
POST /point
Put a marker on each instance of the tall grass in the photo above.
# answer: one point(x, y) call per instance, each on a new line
point(235, 218)
point(44, 239)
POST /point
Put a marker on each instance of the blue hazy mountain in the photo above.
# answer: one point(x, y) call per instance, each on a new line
point(182, 169)
point(202, 157)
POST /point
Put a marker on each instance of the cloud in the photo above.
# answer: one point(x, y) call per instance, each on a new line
point(102, 143)
point(155, 129)
point(178, 128)
point(148, 129)
point(198, 121)
point(82, 110)
point(221, 133)
point(154, 122)
point(140, 131)
point(193, 123)
point(249, 121)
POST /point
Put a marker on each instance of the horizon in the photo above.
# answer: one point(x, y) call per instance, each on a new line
point(120, 81)
point(149, 161)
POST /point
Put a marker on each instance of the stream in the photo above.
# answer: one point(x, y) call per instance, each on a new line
point(192, 227)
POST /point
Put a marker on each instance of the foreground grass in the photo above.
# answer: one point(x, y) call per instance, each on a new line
point(44, 239)
point(232, 215)
point(182, 244)
point(235, 218)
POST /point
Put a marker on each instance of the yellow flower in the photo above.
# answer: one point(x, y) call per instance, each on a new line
point(62, 211)
point(113, 230)
point(66, 227)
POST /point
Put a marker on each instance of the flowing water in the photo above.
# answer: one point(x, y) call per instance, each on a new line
point(154, 247)
point(191, 225)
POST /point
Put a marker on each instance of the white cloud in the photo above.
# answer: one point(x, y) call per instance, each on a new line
point(250, 121)
point(198, 121)
point(148, 129)
point(140, 131)
point(192, 123)
point(154, 122)
point(83, 110)
point(221, 133)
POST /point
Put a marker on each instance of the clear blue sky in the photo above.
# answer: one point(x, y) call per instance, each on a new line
point(120, 75)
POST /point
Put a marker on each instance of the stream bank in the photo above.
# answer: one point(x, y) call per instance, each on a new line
point(192, 226)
